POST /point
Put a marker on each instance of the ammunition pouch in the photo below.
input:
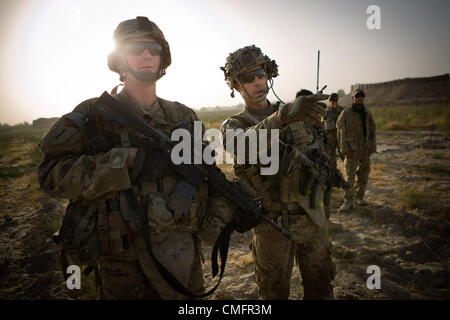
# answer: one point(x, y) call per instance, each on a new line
point(78, 236)
point(289, 186)
point(161, 218)
point(289, 179)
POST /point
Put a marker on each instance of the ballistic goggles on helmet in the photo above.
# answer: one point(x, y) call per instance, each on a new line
point(136, 48)
point(250, 76)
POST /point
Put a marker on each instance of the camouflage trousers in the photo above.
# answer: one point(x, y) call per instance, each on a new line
point(274, 254)
point(358, 166)
point(332, 144)
point(122, 277)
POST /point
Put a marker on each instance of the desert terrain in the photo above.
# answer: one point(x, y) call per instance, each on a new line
point(405, 229)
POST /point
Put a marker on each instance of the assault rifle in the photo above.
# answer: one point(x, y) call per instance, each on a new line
point(320, 171)
point(191, 176)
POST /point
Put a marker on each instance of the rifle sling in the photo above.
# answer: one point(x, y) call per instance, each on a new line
point(222, 242)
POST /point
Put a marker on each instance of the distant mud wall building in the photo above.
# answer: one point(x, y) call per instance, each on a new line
point(44, 123)
point(404, 91)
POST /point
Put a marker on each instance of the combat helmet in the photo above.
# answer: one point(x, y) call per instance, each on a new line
point(134, 28)
point(244, 59)
point(334, 96)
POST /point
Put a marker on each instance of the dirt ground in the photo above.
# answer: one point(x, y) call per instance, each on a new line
point(404, 230)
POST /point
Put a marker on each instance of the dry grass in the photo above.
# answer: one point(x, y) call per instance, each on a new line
point(377, 170)
point(435, 168)
point(414, 199)
point(344, 254)
point(438, 155)
point(412, 287)
point(244, 261)
point(413, 117)
point(217, 116)
point(11, 172)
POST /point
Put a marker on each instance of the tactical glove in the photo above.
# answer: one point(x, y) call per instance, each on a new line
point(304, 108)
point(150, 164)
point(244, 221)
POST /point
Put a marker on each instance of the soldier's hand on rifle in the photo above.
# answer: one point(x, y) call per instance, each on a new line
point(244, 221)
point(304, 108)
point(148, 163)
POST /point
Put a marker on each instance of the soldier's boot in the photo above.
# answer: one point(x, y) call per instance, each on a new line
point(347, 205)
point(361, 202)
point(360, 196)
point(314, 293)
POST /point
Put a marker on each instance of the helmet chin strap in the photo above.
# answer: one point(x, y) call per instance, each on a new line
point(247, 96)
point(144, 76)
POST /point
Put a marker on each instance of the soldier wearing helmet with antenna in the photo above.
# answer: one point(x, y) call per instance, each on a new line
point(249, 72)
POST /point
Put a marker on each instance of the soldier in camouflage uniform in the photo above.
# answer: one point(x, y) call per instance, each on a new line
point(357, 141)
point(331, 115)
point(248, 70)
point(96, 182)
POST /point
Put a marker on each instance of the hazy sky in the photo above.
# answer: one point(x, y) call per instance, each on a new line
point(53, 52)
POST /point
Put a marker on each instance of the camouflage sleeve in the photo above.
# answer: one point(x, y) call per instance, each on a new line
point(67, 171)
point(235, 133)
point(343, 140)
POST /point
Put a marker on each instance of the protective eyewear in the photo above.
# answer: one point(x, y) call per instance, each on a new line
point(359, 95)
point(250, 76)
point(136, 48)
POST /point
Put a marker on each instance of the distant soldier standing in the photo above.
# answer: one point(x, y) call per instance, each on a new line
point(331, 115)
point(248, 71)
point(357, 140)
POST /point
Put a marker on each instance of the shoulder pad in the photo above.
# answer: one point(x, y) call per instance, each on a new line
point(76, 118)
point(60, 135)
point(67, 130)
point(178, 111)
point(84, 106)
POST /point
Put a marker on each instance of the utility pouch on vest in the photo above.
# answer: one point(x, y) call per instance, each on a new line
point(103, 229)
point(119, 238)
point(160, 217)
point(289, 186)
point(180, 198)
point(77, 234)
